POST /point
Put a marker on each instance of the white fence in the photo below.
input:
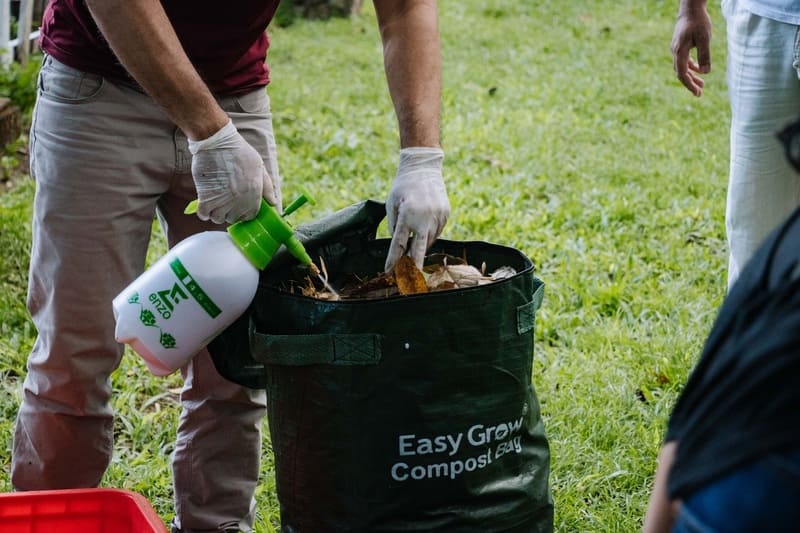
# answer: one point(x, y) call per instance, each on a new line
point(20, 45)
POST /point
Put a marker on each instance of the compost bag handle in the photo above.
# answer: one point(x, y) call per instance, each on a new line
point(350, 349)
point(526, 313)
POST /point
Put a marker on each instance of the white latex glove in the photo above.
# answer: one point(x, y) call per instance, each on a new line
point(230, 177)
point(417, 206)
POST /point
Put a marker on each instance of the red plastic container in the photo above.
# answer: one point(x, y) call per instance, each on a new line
point(78, 510)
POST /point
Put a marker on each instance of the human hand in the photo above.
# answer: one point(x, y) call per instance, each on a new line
point(692, 30)
point(417, 206)
point(230, 177)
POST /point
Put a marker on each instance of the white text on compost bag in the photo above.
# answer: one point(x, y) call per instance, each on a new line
point(428, 457)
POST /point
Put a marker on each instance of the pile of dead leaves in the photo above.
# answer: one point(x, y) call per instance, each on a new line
point(441, 272)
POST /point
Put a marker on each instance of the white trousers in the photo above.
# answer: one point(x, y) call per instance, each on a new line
point(764, 91)
point(106, 160)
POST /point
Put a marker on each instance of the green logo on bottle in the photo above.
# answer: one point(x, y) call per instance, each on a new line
point(167, 340)
point(148, 318)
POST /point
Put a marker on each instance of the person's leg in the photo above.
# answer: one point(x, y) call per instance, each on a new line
point(761, 496)
point(764, 95)
point(95, 148)
point(218, 451)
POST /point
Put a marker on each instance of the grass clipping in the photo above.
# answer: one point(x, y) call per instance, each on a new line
point(440, 272)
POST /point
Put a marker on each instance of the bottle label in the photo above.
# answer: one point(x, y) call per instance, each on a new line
point(192, 286)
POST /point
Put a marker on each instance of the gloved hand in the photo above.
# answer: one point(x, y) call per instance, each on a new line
point(230, 177)
point(417, 206)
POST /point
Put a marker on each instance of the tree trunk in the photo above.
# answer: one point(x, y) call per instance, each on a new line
point(24, 24)
point(10, 122)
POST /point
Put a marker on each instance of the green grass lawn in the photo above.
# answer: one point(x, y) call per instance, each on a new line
point(567, 136)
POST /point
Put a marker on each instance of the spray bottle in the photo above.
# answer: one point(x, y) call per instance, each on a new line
point(195, 291)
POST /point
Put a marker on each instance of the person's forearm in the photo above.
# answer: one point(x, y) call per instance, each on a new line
point(412, 58)
point(144, 41)
point(687, 6)
point(660, 513)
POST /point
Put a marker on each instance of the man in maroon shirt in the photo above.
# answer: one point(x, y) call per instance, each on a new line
point(144, 105)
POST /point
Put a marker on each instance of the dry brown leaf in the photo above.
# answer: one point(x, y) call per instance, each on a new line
point(309, 289)
point(439, 278)
point(409, 278)
point(466, 276)
point(504, 272)
point(443, 286)
point(382, 283)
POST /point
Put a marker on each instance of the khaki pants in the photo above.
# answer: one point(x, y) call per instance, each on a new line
point(106, 159)
point(764, 91)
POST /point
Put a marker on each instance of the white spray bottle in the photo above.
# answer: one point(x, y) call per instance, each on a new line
point(196, 290)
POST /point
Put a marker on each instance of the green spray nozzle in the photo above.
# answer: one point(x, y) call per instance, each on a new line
point(260, 238)
point(305, 197)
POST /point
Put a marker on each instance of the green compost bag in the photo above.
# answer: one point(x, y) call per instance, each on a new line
point(404, 413)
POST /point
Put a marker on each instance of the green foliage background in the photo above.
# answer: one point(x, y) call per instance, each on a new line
point(567, 136)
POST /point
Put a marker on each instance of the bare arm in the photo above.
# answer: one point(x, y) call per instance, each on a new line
point(144, 41)
point(412, 58)
point(661, 511)
point(692, 30)
point(229, 174)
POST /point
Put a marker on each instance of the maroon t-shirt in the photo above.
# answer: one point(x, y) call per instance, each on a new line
point(225, 41)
